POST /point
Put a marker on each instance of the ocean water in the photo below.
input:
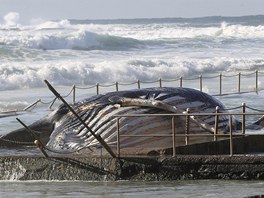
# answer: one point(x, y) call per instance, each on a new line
point(198, 188)
point(86, 52)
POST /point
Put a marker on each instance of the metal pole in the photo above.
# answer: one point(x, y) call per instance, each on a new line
point(118, 137)
point(257, 81)
point(73, 94)
point(243, 118)
point(138, 83)
point(180, 81)
point(29, 106)
point(216, 123)
point(173, 137)
point(97, 137)
point(97, 88)
point(201, 82)
point(220, 84)
point(239, 82)
point(116, 86)
point(187, 126)
point(231, 135)
point(52, 102)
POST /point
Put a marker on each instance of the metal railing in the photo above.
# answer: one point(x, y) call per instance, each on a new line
point(215, 135)
point(180, 82)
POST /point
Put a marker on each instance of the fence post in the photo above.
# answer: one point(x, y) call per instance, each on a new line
point(173, 137)
point(216, 123)
point(257, 81)
point(116, 84)
point(138, 83)
point(29, 106)
point(160, 82)
point(187, 126)
point(180, 81)
point(231, 135)
point(73, 94)
point(118, 138)
point(97, 88)
point(243, 118)
point(220, 84)
point(201, 82)
point(239, 82)
point(52, 102)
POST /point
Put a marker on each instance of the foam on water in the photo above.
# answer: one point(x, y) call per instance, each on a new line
point(83, 52)
point(70, 52)
point(17, 75)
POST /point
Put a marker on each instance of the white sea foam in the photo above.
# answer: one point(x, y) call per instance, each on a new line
point(51, 35)
point(29, 75)
point(67, 52)
point(11, 20)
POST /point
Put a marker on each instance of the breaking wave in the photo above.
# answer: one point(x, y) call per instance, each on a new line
point(68, 52)
point(64, 34)
point(68, 73)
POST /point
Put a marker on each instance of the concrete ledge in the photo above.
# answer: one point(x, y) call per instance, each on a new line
point(241, 145)
point(147, 169)
point(196, 167)
point(56, 168)
point(188, 164)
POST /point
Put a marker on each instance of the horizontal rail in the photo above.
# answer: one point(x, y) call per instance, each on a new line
point(213, 131)
point(188, 135)
point(183, 114)
point(255, 81)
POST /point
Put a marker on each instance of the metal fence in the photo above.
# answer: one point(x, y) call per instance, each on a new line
point(244, 82)
point(230, 134)
point(223, 84)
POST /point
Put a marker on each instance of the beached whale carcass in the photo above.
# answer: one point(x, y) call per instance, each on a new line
point(61, 131)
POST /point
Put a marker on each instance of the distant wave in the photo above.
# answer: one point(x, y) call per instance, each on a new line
point(80, 40)
point(198, 21)
point(127, 34)
point(175, 37)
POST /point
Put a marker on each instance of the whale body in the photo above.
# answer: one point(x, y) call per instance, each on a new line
point(61, 131)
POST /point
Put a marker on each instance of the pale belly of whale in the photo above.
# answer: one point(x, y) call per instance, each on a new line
point(140, 134)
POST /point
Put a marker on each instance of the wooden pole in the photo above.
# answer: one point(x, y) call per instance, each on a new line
point(97, 137)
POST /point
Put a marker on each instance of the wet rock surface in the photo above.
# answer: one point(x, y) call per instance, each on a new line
point(132, 168)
